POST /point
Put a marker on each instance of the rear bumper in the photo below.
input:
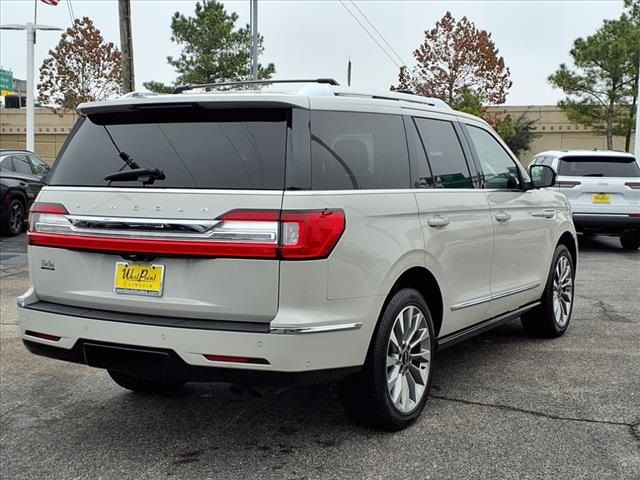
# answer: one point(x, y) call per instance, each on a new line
point(605, 223)
point(167, 365)
point(180, 349)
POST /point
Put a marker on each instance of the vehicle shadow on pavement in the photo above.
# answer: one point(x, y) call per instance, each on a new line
point(596, 243)
point(206, 426)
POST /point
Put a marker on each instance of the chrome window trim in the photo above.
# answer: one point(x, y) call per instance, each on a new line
point(202, 191)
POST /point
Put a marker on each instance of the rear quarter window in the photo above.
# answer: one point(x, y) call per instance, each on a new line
point(598, 166)
point(194, 147)
point(358, 151)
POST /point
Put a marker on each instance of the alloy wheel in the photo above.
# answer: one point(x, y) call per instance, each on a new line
point(408, 358)
point(16, 218)
point(562, 291)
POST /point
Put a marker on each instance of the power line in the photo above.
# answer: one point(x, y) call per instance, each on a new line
point(370, 35)
point(71, 13)
point(378, 32)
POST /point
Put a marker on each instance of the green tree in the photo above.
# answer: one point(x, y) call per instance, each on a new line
point(457, 58)
point(469, 102)
point(213, 48)
point(521, 134)
point(82, 68)
point(602, 87)
point(158, 87)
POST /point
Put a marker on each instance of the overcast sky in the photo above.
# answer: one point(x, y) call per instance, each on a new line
point(316, 38)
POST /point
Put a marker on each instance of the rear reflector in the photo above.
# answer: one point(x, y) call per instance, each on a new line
point(251, 234)
point(634, 185)
point(44, 336)
point(233, 359)
point(567, 184)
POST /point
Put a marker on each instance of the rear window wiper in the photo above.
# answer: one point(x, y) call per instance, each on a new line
point(593, 175)
point(147, 175)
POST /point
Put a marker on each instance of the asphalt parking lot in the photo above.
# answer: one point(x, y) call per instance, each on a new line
point(503, 406)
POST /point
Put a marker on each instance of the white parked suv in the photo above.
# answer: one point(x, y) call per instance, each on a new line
point(603, 188)
point(263, 237)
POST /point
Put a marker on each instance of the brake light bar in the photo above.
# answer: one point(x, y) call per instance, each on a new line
point(634, 185)
point(567, 184)
point(253, 234)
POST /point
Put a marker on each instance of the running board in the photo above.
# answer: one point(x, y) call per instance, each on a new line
point(478, 328)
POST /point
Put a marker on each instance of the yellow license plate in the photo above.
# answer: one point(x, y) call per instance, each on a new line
point(601, 198)
point(139, 279)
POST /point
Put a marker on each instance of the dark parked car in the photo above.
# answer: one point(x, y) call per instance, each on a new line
point(22, 175)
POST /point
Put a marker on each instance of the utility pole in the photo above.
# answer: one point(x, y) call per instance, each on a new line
point(254, 39)
point(126, 46)
point(30, 28)
point(349, 73)
point(636, 149)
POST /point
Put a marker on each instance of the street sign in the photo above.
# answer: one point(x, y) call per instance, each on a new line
point(6, 80)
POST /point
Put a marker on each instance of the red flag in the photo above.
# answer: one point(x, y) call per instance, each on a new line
point(50, 2)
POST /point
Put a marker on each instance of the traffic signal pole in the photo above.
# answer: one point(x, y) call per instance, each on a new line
point(31, 33)
point(30, 28)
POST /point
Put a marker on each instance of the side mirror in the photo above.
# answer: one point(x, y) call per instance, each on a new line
point(542, 176)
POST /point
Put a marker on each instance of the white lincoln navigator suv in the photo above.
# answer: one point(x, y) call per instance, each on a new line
point(261, 237)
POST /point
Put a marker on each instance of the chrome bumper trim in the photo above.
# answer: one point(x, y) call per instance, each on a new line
point(317, 329)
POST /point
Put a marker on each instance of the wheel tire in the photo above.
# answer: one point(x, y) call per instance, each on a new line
point(630, 240)
point(144, 385)
point(13, 222)
point(551, 319)
point(365, 395)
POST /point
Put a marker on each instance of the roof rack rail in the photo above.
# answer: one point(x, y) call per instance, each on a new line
point(394, 95)
point(184, 88)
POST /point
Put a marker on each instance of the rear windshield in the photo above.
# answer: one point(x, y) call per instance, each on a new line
point(598, 167)
point(194, 148)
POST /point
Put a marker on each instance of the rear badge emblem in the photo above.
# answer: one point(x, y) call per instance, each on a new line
point(47, 265)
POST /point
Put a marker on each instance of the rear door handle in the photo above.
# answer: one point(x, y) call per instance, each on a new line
point(547, 213)
point(438, 221)
point(503, 216)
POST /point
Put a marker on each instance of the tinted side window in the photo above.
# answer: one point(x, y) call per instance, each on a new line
point(445, 154)
point(420, 171)
point(499, 170)
point(358, 150)
point(7, 164)
point(21, 164)
point(39, 167)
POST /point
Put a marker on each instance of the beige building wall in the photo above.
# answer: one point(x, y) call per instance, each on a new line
point(51, 130)
point(556, 130)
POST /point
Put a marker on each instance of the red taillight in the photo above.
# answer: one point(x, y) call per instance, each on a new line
point(254, 234)
point(567, 184)
point(310, 235)
point(234, 359)
point(634, 185)
point(634, 215)
point(41, 208)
